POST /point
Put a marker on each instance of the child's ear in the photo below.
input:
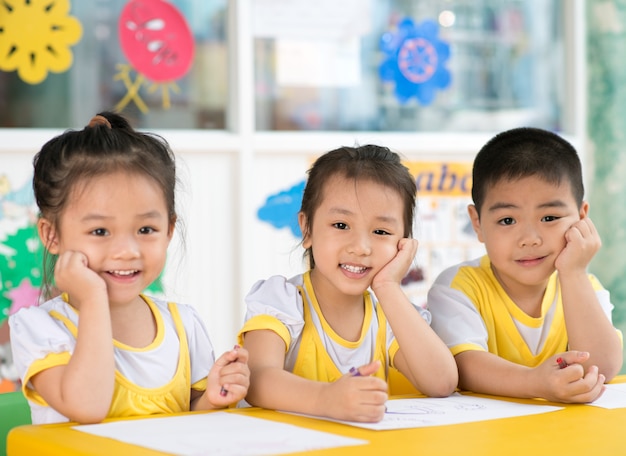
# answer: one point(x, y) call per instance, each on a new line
point(584, 209)
point(48, 235)
point(304, 229)
point(170, 230)
point(475, 218)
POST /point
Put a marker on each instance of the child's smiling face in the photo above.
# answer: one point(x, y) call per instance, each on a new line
point(120, 223)
point(355, 232)
point(522, 224)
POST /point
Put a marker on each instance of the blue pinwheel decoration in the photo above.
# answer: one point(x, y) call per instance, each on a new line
point(415, 61)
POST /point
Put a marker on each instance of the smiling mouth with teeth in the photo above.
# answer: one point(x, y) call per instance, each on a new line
point(124, 273)
point(354, 269)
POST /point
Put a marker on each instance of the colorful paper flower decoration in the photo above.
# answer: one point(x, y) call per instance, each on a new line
point(415, 59)
point(20, 248)
point(35, 37)
point(159, 45)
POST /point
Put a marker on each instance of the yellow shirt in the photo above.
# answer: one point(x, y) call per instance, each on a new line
point(471, 311)
point(313, 349)
point(151, 380)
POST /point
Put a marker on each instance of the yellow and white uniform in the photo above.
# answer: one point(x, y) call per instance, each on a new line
point(471, 311)
point(313, 349)
point(150, 380)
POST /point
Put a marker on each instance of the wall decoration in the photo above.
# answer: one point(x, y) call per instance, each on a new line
point(35, 37)
point(159, 45)
point(415, 61)
point(281, 209)
point(20, 249)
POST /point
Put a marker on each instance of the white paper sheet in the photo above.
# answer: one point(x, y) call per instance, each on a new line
point(456, 409)
point(614, 396)
point(218, 433)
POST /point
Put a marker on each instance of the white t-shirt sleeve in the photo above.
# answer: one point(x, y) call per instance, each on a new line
point(455, 318)
point(279, 298)
point(201, 350)
point(604, 297)
point(35, 335)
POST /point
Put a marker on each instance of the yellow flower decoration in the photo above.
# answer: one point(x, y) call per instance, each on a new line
point(35, 37)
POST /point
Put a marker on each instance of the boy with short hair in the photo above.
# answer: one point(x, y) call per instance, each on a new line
point(527, 320)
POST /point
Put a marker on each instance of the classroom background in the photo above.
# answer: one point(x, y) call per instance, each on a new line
point(249, 92)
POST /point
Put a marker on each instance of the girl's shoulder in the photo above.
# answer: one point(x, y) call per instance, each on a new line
point(276, 294)
point(42, 311)
point(276, 286)
point(44, 325)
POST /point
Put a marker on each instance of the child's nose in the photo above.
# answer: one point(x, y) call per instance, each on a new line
point(530, 236)
point(126, 247)
point(360, 244)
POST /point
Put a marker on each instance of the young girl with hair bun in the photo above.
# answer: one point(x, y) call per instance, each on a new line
point(102, 348)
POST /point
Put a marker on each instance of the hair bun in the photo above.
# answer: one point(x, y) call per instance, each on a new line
point(99, 120)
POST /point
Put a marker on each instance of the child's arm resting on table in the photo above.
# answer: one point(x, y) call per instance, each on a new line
point(422, 357)
point(588, 327)
point(355, 398)
point(484, 372)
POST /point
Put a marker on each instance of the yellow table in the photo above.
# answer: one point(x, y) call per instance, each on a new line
point(575, 430)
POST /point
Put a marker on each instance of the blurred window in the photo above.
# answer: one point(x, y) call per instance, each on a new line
point(400, 65)
point(192, 92)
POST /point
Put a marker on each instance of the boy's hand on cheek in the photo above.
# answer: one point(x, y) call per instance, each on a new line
point(582, 241)
point(396, 269)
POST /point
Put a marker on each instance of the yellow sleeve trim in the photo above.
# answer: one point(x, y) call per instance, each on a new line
point(51, 360)
point(465, 347)
point(265, 322)
point(200, 385)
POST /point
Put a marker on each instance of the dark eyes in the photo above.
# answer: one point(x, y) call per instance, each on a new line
point(511, 220)
point(344, 226)
point(105, 232)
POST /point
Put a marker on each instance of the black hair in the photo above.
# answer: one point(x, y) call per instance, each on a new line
point(108, 144)
point(523, 152)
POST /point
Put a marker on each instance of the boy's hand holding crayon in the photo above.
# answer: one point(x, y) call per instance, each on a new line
point(567, 380)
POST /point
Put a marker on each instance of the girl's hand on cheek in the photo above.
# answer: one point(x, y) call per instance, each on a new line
point(73, 276)
point(396, 269)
